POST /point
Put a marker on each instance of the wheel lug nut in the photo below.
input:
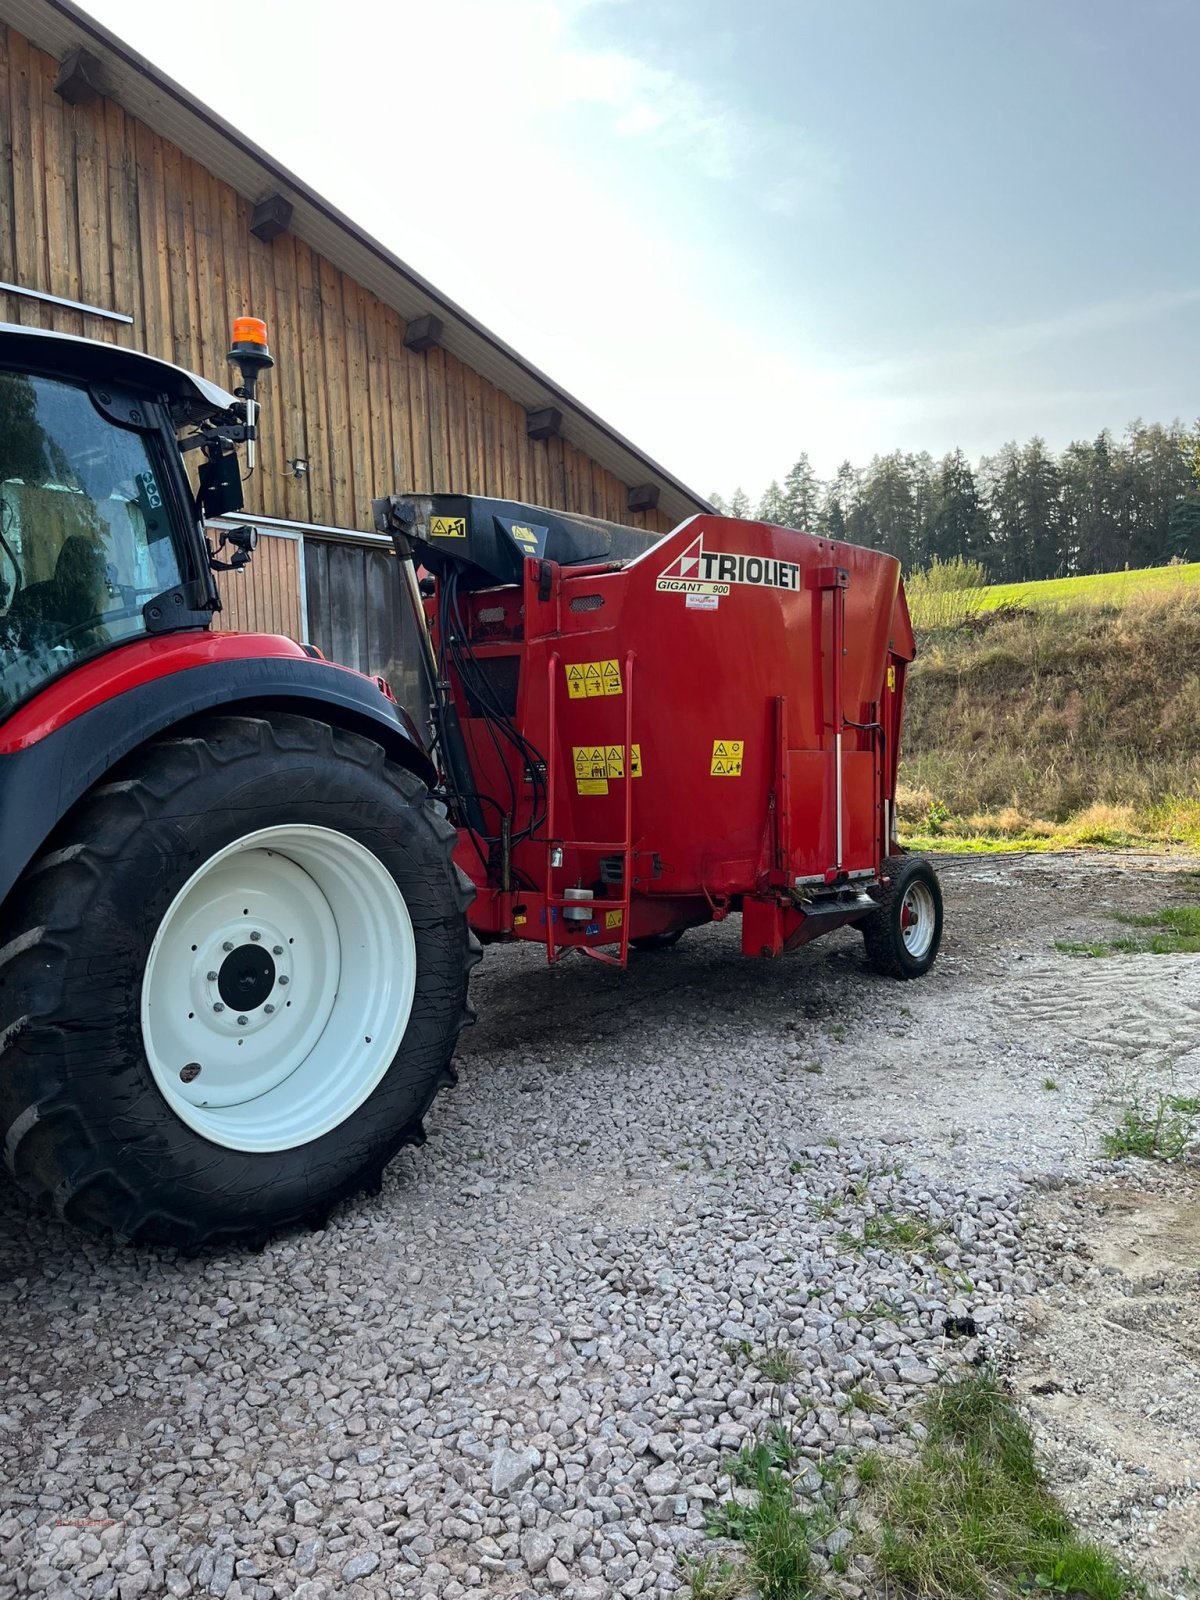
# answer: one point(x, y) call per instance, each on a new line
point(218, 1006)
point(242, 1021)
point(268, 1009)
point(276, 949)
point(227, 946)
point(284, 978)
point(256, 937)
point(212, 977)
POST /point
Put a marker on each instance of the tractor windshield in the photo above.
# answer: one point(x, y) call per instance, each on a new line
point(85, 540)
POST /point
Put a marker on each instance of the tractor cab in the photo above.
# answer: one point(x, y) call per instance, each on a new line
point(100, 537)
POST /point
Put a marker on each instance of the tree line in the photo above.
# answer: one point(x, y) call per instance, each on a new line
point(1023, 513)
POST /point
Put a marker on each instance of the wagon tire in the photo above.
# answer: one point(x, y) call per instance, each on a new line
point(903, 935)
point(232, 984)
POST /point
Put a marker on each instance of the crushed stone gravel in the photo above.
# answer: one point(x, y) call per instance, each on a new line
point(523, 1369)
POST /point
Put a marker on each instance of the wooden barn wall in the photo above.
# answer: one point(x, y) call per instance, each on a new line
point(95, 206)
point(265, 595)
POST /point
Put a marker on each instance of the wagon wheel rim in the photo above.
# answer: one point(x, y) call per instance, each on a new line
point(278, 988)
point(918, 919)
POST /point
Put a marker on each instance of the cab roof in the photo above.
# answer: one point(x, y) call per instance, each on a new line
point(190, 397)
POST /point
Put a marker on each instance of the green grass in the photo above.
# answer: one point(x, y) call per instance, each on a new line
point(1163, 1133)
point(900, 1235)
point(777, 1531)
point(713, 1577)
point(1178, 933)
point(778, 1365)
point(1102, 588)
point(971, 1517)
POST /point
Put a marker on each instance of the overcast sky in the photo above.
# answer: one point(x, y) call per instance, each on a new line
point(739, 229)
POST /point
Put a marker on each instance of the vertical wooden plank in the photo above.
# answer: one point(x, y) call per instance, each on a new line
point(511, 454)
point(540, 452)
point(8, 246)
point(91, 187)
point(333, 351)
point(32, 271)
point(385, 417)
point(358, 436)
point(595, 485)
point(250, 290)
point(571, 477)
point(420, 427)
point(310, 336)
point(209, 260)
point(288, 376)
point(137, 220)
point(493, 444)
point(456, 426)
point(556, 475)
point(58, 179)
point(199, 334)
point(439, 449)
point(480, 474)
point(400, 465)
point(179, 261)
point(524, 452)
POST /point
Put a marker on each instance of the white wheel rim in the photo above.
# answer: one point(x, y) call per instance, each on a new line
point(918, 918)
point(283, 971)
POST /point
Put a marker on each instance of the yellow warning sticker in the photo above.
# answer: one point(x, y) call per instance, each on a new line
point(525, 534)
point(892, 678)
point(613, 919)
point(727, 758)
point(591, 785)
point(589, 761)
point(448, 527)
point(586, 679)
point(595, 761)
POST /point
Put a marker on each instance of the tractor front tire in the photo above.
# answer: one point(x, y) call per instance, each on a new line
point(232, 985)
point(902, 937)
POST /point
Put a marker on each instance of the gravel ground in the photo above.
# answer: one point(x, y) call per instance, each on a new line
point(522, 1369)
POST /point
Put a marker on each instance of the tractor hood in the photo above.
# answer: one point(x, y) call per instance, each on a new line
point(190, 397)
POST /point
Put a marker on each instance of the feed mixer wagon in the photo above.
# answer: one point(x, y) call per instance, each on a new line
point(640, 734)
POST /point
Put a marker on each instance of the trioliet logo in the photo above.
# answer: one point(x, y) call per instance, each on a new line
point(701, 571)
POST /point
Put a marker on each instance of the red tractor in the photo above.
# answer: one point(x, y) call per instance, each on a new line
point(235, 879)
point(233, 942)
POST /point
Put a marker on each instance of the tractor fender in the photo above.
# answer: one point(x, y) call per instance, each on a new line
point(43, 777)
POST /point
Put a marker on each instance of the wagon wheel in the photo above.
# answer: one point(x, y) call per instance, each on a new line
point(902, 937)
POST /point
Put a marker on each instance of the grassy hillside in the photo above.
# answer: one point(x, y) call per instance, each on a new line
point(1102, 588)
point(1061, 723)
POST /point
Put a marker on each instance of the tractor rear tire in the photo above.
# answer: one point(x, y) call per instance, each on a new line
point(232, 985)
point(902, 937)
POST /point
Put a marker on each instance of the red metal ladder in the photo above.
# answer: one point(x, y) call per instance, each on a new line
point(557, 903)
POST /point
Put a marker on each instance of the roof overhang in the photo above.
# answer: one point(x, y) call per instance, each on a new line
point(57, 27)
